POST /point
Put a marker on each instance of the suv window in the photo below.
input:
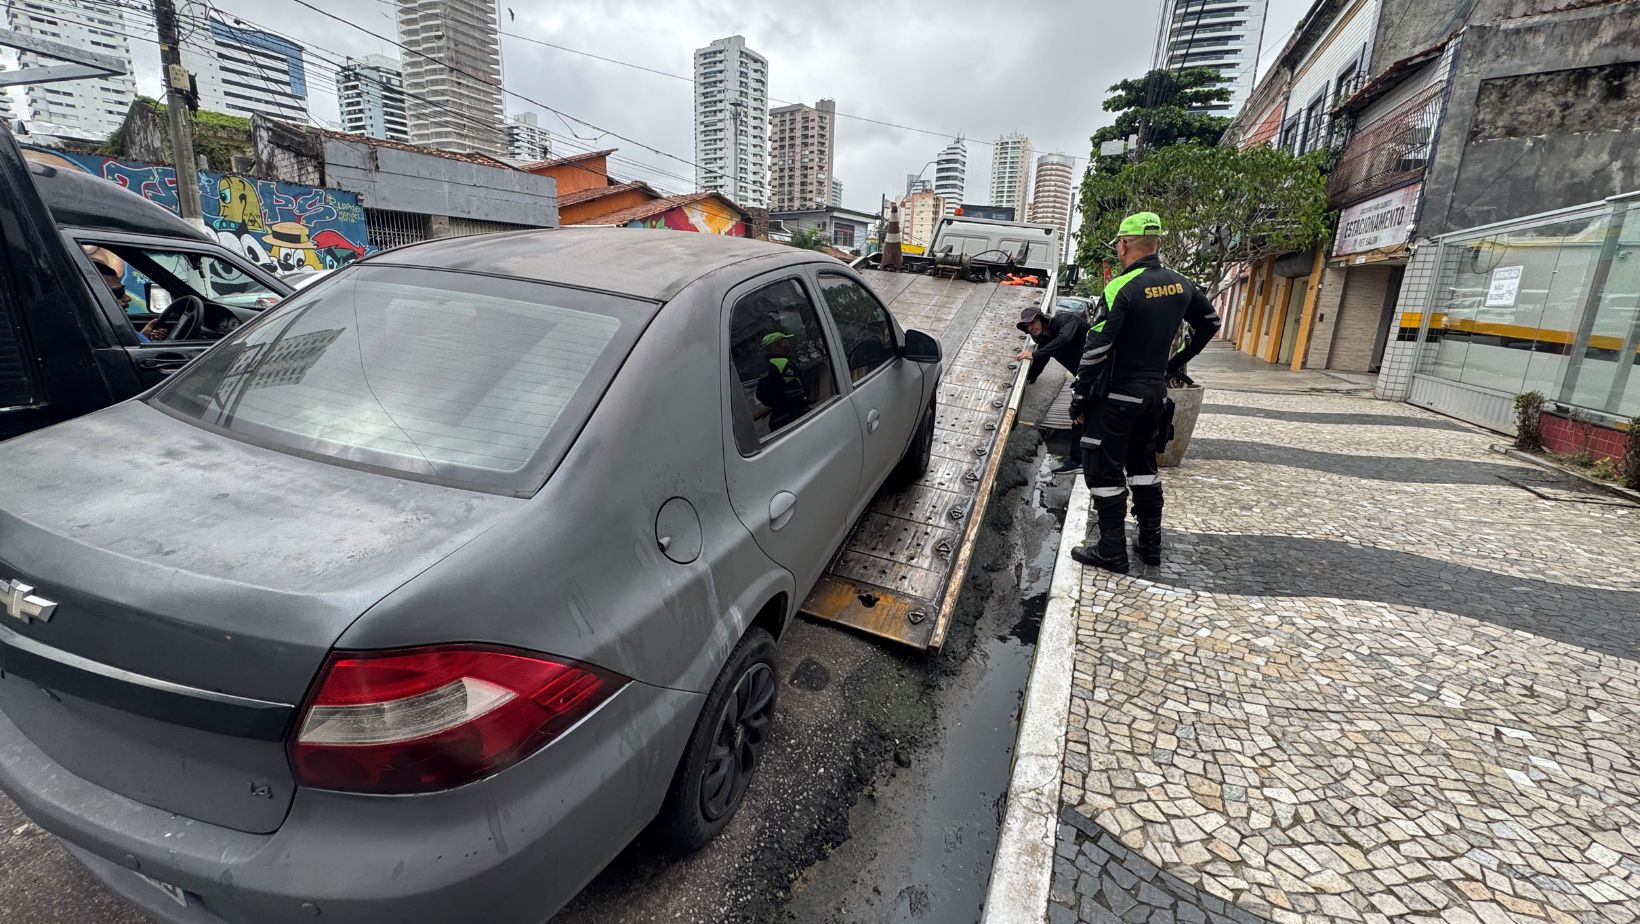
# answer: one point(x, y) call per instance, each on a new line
point(150, 279)
point(863, 325)
point(781, 359)
point(16, 382)
point(442, 376)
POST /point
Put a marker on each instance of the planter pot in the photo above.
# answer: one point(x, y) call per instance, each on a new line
point(1187, 406)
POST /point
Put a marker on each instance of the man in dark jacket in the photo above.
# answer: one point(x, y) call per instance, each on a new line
point(1121, 390)
point(1061, 338)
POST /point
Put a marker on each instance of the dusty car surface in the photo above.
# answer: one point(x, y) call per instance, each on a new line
point(417, 597)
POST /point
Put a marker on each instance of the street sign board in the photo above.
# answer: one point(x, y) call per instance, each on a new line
point(1379, 222)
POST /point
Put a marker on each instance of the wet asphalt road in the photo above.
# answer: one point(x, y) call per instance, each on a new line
point(883, 789)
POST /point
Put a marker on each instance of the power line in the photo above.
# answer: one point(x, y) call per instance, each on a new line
point(555, 111)
point(773, 99)
point(337, 61)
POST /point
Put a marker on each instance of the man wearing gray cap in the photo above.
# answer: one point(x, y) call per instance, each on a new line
point(1059, 337)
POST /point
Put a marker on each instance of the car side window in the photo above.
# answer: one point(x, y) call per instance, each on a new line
point(862, 323)
point(16, 379)
point(782, 361)
point(146, 281)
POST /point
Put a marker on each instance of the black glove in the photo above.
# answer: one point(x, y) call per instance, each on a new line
point(1076, 407)
point(1176, 373)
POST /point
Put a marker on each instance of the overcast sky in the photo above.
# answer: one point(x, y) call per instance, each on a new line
point(979, 67)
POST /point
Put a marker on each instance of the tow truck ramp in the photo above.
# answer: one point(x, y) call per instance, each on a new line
point(899, 572)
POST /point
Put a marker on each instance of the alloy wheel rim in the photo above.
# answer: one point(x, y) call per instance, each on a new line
point(737, 742)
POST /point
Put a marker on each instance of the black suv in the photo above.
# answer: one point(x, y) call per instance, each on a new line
point(102, 293)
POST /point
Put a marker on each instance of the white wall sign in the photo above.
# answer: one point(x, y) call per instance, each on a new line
point(1504, 287)
point(1376, 223)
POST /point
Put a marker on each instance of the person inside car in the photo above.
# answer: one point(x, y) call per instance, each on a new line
point(112, 270)
point(781, 388)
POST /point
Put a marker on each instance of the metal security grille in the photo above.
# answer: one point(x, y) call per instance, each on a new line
point(1388, 153)
point(462, 226)
point(386, 229)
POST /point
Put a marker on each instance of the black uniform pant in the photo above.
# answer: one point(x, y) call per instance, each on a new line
point(1119, 454)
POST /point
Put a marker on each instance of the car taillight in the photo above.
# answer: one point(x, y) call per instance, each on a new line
point(419, 720)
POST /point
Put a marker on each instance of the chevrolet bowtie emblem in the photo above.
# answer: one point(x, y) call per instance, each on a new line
point(21, 604)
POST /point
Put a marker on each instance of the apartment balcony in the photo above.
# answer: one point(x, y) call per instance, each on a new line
point(1391, 151)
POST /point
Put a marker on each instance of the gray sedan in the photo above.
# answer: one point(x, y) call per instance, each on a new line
point(418, 597)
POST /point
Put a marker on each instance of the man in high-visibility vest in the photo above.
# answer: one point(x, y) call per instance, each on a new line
point(781, 388)
point(1121, 391)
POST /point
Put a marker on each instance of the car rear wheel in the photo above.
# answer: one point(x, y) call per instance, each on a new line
point(726, 747)
point(919, 455)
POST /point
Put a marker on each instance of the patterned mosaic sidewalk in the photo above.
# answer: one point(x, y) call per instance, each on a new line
point(1383, 675)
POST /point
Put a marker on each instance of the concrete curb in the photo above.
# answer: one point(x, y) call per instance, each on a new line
point(1022, 873)
point(1530, 459)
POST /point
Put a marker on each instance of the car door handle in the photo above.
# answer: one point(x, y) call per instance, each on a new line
point(873, 419)
point(781, 508)
point(165, 362)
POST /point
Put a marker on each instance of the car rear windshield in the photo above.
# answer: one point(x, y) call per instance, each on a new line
point(435, 375)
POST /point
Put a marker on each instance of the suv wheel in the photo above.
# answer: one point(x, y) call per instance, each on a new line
point(725, 748)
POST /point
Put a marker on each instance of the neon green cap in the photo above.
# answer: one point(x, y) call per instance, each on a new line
point(774, 338)
point(1139, 224)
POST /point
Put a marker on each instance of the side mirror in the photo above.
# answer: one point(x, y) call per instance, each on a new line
point(920, 348)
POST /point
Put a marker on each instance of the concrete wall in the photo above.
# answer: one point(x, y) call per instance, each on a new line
point(1410, 26)
point(1518, 139)
point(388, 178)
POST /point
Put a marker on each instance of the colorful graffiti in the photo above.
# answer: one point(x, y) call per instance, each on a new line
point(283, 226)
point(707, 216)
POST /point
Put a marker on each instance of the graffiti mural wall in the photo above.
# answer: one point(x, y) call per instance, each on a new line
point(282, 226)
point(707, 216)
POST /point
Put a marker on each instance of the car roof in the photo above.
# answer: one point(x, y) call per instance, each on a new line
point(646, 263)
point(81, 200)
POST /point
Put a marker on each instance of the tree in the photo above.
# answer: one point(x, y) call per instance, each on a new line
point(1219, 205)
point(1157, 107)
point(807, 238)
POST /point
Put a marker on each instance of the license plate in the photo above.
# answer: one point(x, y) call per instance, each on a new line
point(174, 893)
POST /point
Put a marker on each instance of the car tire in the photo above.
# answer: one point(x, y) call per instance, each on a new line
point(919, 455)
point(725, 749)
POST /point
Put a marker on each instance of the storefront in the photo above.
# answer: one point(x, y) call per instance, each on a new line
point(1548, 303)
point(1362, 281)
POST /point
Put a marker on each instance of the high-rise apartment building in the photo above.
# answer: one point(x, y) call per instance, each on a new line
point(800, 155)
point(241, 70)
point(91, 108)
point(372, 98)
point(920, 212)
point(452, 75)
point(1011, 173)
point(1221, 34)
point(527, 141)
point(951, 174)
point(1051, 196)
point(732, 121)
point(836, 193)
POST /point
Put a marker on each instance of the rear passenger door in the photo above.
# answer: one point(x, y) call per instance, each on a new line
point(793, 459)
point(888, 390)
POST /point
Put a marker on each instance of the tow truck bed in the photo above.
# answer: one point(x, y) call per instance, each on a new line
point(898, 573)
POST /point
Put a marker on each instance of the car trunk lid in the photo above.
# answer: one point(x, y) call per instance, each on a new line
point(198, 585)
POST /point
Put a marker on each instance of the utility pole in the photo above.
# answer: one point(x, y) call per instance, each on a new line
point(178, 90)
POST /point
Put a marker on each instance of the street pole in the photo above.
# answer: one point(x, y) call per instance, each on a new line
point(177, 90)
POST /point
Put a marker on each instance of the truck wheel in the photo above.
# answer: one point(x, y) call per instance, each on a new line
point(919, 455)
point(725, 749)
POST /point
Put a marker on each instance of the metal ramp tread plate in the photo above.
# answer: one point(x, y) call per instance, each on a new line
point(1058, 415)
point(898, 573)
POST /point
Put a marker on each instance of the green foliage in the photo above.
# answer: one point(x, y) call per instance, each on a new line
point(1157, 107)
point(1630, 467)
point(808, 238)
point(218, 136)
point(1220, 205)
point(1528, 421)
